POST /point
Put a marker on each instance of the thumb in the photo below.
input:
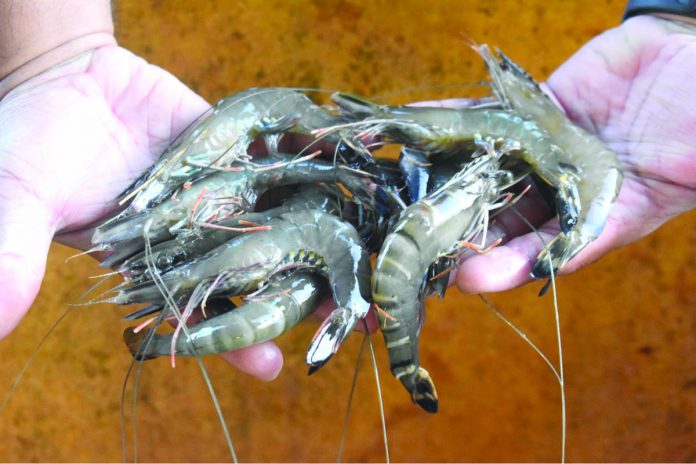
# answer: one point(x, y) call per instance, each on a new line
point(26, 230)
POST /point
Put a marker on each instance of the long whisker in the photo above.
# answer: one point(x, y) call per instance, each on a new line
point(170, 302)
point(379, 392)
point(33, 354)
point(559, 374)
point(349, 406)
point(102, 247)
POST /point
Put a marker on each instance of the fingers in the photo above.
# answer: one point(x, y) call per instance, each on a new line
point(263, 361)
point(25, 236)
point(502, 268)
point(508, 266)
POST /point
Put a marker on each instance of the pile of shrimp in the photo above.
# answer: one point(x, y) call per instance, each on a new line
point(285, 229)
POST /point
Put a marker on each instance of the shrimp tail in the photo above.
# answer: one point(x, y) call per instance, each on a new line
point(366, 189)
point(137, 344)
point(560, 250)
point(438, 276)
point(422, 389)
point(416, 168)
point(329, 337)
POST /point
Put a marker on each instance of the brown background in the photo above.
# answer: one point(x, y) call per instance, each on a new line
point(628, 322)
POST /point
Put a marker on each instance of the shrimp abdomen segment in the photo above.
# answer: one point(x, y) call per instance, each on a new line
point(279, 308)
point(395, 290)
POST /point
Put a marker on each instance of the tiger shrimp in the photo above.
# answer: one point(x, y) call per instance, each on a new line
point(221, 196)
point(281, 305)
point(166, 255)
point(222, 136)
point(455, 135)
point(301, 239)
point(588, 176)
point(440, 224)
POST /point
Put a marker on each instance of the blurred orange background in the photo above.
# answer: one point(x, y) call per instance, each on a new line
point(628, 322)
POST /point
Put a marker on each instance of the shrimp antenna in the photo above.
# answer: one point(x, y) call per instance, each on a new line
point(420, 88)
point(94, 249)
point(379, 390)
point(557, 372)
point(35, 351)
point(38, 346)
point(182, 323)
point(349, 406)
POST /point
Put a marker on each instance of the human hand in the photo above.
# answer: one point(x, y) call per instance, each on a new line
point(74, 138)
point(633, 87)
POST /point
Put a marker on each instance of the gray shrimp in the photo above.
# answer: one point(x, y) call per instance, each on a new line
point(428, 229)
point(450, 132)
point(222, 136)
point(282, 305)
point(221, 196)
point(302, 239)
point(446, 131)
point(588, 175)
point(166, 255)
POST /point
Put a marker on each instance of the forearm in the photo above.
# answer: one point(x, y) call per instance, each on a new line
point(36, 35)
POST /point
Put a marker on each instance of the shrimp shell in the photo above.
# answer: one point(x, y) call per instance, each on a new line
point(281, 306)
point(428, 229)
point(587, 174)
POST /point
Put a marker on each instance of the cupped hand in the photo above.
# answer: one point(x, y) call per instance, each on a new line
point(634, 87)
point(72, 139)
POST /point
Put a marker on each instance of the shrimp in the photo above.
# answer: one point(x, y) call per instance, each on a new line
point(430, 228)
point(301, 239)
point(220, 196)
point(282, 305)
point(588, 175)
point(166, 255)
point(222, 136)
point(456, 135)
point(446, 131)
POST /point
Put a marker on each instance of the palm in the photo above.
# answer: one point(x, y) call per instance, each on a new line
point(72, 140)
point(632, 87)
point(81, 138)
point(639, 100)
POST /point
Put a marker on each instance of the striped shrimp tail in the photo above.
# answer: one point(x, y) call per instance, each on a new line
point(421, 387)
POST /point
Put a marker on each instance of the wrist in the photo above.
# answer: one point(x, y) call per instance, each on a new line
point(37, 35)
